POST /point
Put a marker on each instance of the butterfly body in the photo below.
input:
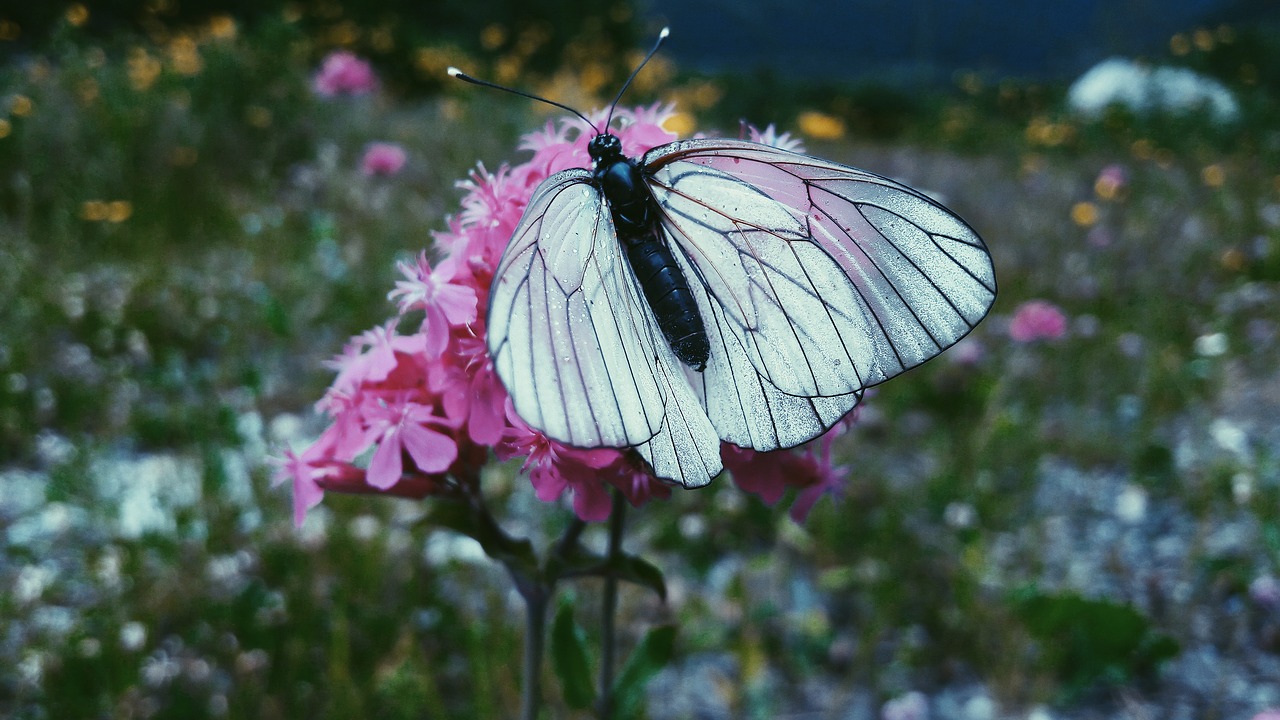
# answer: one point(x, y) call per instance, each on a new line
point(636, 220)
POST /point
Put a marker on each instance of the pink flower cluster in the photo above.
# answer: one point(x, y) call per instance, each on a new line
point(1037, 320)
point(419, 414)
point(343, 73)
point(383, 158)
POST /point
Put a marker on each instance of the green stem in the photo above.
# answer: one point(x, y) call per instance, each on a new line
point(617, 520)
point(535, 600)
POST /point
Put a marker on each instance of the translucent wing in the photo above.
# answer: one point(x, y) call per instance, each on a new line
point(577, 346)
point(816, 280)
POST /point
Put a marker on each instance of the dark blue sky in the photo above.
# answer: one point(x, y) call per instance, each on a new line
point(907, 40)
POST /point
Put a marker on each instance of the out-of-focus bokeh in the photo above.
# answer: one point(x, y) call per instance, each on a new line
point(1073, 514)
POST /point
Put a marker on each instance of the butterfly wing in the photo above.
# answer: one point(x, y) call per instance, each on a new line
point(817, 281)
point(578, 347)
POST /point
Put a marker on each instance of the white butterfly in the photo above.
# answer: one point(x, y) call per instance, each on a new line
point(721, 290)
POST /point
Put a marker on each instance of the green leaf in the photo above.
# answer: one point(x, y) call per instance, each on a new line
point(580, 562)
point(651, 655)
point(637, 570)
point(569, 658)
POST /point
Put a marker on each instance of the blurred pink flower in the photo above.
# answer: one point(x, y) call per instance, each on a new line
point(1111, 182)
point(771, 136)
point(1265, 591)
point(912, 706)
point(343, 73)
point(1273, 714)
point(768, 475)
point(969, 351)
point(419, 414)
point(381, 158)
point(1037, 320)
point(1099, 236)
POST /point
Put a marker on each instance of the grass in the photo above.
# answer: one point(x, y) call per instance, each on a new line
point(185, 237)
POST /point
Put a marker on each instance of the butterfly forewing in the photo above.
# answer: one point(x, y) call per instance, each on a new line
point(578, 347)
point(566, 335)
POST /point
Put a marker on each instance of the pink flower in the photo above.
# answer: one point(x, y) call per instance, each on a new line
point(445, 304)
point(827, 478)
point(771, 136)
point(1265, 591)
point(969, 351)
point(342, 73)
point(300, 470)
point(766, 475)
point(1037, 320)
point(381, 158)
point(1111, 182)
point(912, 706)
point(769, 474)
point(404, 431)
point(1273, 714)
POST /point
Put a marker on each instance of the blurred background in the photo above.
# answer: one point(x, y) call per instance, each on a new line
point(1074, 514)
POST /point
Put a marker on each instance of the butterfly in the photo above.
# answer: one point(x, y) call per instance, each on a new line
point(718, 290)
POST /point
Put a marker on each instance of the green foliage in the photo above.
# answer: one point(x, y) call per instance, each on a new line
point(569, 658)
point(1086, 641)
point(653, 653)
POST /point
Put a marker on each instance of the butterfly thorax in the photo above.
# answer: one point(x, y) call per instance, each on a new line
point(620, 179)
point(635, 215)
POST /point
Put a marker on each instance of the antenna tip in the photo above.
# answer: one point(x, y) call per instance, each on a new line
point(453, 71)
point(665, 32)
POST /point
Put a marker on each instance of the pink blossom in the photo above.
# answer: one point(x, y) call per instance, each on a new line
point(404, 430)
point(1265, 591)
point(1099, 236)
point(764, 474)
point(1112, 180)
point(303, 473)
point(1037, 320)
point(912, 706)
point(381, 158)
point(969, 351)
point(828, 478)
point(768, 475)
point(446, 304)
point(1273, 714)
point(771, 136)
point(343, 73)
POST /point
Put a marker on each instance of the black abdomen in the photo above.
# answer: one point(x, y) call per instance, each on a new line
point(635, 219)
point(673, 303)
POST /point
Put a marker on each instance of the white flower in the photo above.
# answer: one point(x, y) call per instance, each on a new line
point(1146, 90)
point(132, 635)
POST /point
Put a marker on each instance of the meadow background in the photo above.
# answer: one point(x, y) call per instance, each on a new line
point(1079, 525)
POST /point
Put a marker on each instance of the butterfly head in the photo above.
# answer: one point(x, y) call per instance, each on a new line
point(604, 148)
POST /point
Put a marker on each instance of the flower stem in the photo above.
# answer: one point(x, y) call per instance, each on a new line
point(535, 600)
point(617, 519)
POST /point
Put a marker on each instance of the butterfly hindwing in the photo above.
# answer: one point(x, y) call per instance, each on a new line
point(833, 279)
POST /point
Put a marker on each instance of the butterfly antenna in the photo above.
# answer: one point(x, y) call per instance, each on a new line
point(661, 36)
point(456, 73)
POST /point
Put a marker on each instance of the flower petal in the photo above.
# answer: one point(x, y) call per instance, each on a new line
point(386, 465)
point(431, 451)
